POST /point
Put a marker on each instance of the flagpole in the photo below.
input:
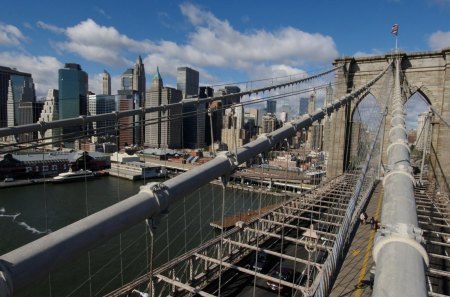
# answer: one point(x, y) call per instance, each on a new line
point(396, 39)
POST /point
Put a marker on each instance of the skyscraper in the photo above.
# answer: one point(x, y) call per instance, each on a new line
point(269, 123)
point(187, 81)
point(73, 90)
point(233, 132)
point(139, 79)
point(303, 106)
point(106, 83)
point(163, 129)
point(126, 80)
point(99, 104)
point(229, 100)
point(129, 127)
point(50, 113)
point(132, 87)
point(15, 87)
point(271, 106)
point(194, 117)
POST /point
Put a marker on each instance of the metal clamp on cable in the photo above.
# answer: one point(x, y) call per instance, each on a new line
point(398, 142)
point(405, 170)
point(6, 284)
point(402, 233)
point(43, 128)
point(158, 192)
point(230, 156)
point(397, 127)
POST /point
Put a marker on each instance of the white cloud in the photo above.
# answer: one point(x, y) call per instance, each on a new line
point(44, 69)
point(10, 35)
point(439, 40)
point(98, 43)
point(215, 43)
point(49, 27)
point(212, 43)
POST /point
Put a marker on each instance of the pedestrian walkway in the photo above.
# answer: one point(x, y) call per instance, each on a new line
point(354, 276)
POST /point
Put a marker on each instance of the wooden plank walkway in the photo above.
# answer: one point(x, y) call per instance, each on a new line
point(354, 276)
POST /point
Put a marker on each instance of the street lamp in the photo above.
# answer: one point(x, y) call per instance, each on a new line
point(310, 246)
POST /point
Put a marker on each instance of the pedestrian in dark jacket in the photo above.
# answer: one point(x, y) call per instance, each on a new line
point(372, 223)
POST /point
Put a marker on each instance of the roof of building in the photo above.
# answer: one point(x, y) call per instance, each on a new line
point(54, 156)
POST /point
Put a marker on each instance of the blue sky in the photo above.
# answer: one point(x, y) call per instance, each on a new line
point(227, 41)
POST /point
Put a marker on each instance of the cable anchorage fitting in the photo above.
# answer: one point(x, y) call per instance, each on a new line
point(401, 233)
point(159, 192)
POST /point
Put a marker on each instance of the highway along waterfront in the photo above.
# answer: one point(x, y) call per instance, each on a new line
point(30, 212)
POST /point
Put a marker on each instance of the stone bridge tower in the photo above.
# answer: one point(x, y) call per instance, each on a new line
point(425, 72)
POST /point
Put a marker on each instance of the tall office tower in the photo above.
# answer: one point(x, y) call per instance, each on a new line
point(29, 113)
point(129, 131)
point(233, 132)
point(194, 117)
point(126, 80)
point(315, 132)
point(139, 79)
point(164, 127)
point(50, 113)
point(73, 91)
point(271, 106)
point(187, 81)
point(229, 99)
point(303, 106)
point(256, 114)
point(106, 83)
point(284, 117)
point(251, 122)
point(132, 86)
point(311, 103)
point(269, 123)
point(15, 87)
point(99, 104)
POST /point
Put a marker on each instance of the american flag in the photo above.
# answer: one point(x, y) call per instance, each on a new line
point(394, 29)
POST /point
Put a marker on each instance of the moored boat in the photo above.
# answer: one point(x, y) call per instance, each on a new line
point(69, 176)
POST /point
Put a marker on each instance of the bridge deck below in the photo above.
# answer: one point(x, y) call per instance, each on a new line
point(354, 276)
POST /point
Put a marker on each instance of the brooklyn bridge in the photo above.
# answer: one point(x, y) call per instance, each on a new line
point(308, 241)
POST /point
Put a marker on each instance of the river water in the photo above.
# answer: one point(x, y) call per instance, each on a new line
point(29, 212)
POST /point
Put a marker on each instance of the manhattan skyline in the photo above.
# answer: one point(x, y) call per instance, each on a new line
point(226, 42)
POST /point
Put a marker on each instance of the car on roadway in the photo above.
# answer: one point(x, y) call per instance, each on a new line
point(259, 261)
point(283, 273)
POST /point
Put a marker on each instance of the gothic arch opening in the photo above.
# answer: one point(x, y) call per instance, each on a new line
point(418, 129)
point(362, 129)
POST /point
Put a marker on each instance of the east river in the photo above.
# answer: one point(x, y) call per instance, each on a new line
point(30, 212)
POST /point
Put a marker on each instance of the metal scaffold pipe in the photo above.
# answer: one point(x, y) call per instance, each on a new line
point(21, 266)
point(398, 252)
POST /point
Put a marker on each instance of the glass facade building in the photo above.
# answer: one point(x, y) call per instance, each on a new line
point(99, 104)
point(187, 81)
point(271, 106)
point(73, 90)
point(15, 87)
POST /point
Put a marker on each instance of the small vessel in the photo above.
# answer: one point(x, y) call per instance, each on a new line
point(79, 175)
